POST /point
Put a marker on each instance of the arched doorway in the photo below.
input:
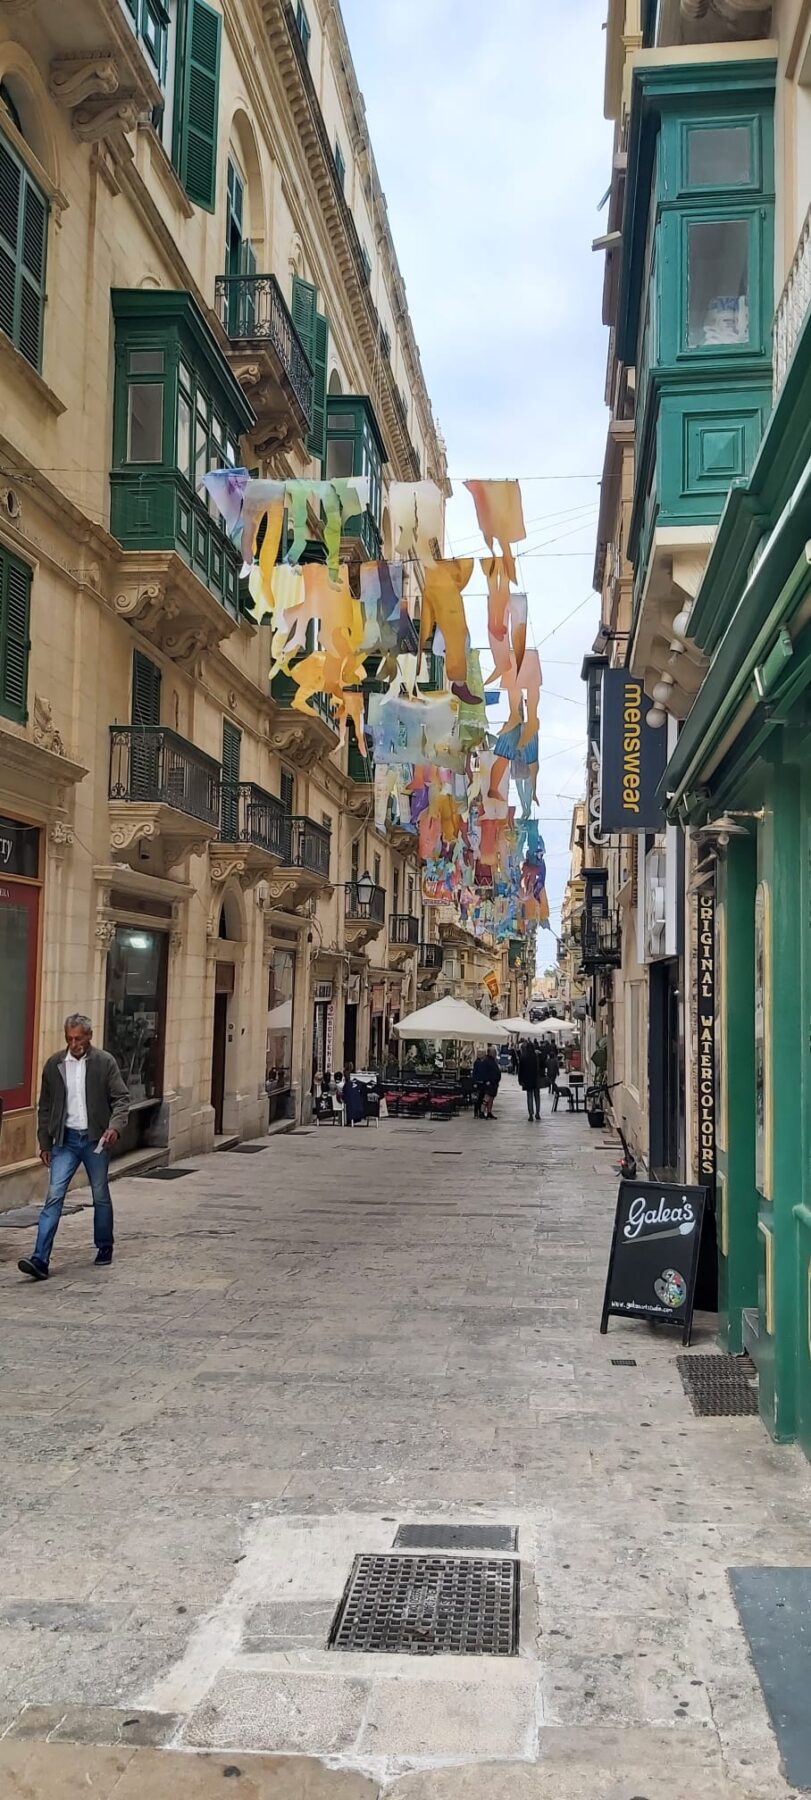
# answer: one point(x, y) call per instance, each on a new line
point(335, 383)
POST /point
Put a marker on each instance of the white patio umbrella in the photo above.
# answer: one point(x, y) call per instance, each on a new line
point(452, 1019)
point(562, 1029)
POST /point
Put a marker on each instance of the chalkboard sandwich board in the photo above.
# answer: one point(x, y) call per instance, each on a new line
point(654, 1254)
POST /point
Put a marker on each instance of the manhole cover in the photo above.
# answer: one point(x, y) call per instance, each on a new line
point(248, 1149)
point(719, 1386)
point(173, 1174)
point(499, 1538)
point(429, 1606)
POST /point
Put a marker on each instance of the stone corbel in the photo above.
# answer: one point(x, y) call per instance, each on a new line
point(125, 833)
point(105, 932)
point(177, 850)
point(75, 79)
point(146, 607)
point(175, 943)
point(45, 733)
point(60, 837)
point(188, 648)
point(105, 118)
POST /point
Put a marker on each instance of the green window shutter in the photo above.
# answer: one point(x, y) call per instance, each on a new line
point(197, 147)
point(317, 441)
point(23, 238)
point(231, 747)
point(305, 314)
point(15, 609)
point(146, 691)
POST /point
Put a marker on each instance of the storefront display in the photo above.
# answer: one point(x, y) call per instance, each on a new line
point(135, 1009)
point(20, 894)
point(281, 986)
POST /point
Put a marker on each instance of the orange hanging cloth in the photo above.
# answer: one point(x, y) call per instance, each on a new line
point(498, 588)
point(442, 605)
point(500, 515)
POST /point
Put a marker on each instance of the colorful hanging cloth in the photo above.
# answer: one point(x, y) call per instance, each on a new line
point(500, 515)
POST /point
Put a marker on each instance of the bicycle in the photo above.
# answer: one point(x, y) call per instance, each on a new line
point(598, 1099)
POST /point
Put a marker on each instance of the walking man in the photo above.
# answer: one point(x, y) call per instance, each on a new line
point(529, 1076)
point(83, 1109)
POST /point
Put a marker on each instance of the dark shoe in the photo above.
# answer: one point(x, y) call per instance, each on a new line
point(31, 1265)
point(105, 1255)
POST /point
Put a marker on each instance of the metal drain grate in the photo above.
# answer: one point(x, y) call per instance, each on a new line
point(719, 1386)
point(173, 1174)
point(429, 1606)
point(497, 1538)
point(248, 1149)
point(623, 1362)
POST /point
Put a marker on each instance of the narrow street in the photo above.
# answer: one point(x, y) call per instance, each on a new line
point(296, 1352)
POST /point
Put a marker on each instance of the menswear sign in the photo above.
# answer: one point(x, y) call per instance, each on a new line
point(632, 757)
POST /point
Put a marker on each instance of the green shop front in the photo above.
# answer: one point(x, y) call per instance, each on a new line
point(741, 778)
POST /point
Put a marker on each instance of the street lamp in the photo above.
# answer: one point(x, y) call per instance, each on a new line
point(365, 888)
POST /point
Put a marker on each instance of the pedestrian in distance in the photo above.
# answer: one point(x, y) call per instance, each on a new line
point(553, 1067)
point(83, 1109)
point(478, 1078)
point(529, 1077)
point(492, 1081)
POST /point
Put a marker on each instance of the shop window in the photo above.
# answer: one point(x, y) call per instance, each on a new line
point(719, 156)
point(23, 240)
point(280, 1021)
point(717, 282)
point(135, 1008)
point(15, 609)
point(19, 939)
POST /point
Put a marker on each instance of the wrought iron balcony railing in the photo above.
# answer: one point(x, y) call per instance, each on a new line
point(601, 942)
point(792, 305)
point(371, 911)
point(432, 957)
point(306, 845)
point(251, 816)
point(404, 930)
point(253, 310)
point(151, 763)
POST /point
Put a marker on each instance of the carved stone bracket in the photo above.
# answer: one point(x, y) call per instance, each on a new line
point(188, 648)
point(105, 932)
point(124, 832)
point(45, 733)
point(175, 943)
point(146, 606)
point(60, 836)
point(105, 118)
point(74, 79)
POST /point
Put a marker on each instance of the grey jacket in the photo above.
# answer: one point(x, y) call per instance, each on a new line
point(108, 1101)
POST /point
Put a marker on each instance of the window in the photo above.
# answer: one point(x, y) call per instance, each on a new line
point(377, 871)
point(197, 89)
point(340, 165)
point(287, 791)
point(355, 446)
point(202, 440)
point(395, 891)
point(23, 237)
point(719, 156)
point(313, 330)
point(367, 262)
point(355, 860)
point(15, 606)
point(385, 342)
point(411, 896)
point(150, 20)
point(717, 282)
point(231, 749)
point(303, 28)
point(145, 423)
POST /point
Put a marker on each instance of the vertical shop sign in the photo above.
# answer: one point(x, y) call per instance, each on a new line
point(705, 1061)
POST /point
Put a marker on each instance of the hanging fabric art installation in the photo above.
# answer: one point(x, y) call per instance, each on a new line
point(442, 606)
point(417, 518)
point(500, 515)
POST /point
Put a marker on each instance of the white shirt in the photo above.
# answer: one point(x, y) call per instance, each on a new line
point(76, 1079)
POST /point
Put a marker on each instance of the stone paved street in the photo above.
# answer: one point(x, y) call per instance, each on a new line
point(297, 1351)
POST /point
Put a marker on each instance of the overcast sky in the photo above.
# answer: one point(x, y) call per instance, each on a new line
point(492, 150)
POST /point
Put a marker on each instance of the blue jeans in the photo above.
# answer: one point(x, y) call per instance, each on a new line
point(65, 1160)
